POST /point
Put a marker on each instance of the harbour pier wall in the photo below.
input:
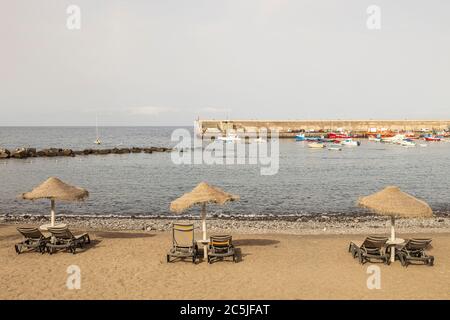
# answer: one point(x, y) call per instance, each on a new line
point(288, 128)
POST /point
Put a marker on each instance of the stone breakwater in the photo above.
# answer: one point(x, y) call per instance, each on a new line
point(288, 128)
point(23, 153)
point(303, 225)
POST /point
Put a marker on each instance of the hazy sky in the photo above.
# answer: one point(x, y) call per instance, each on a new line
point(166, 62)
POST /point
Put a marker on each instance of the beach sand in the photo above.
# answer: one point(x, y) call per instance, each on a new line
point(131, 265)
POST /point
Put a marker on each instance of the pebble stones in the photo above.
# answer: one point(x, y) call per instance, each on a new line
point(310, 225)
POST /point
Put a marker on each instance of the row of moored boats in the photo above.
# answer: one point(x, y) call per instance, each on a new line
point(335, 141)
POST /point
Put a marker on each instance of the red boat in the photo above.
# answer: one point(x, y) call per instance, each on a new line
point(333, 135)
point(432, 139)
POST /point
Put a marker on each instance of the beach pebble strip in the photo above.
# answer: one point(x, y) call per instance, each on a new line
point(303, 225)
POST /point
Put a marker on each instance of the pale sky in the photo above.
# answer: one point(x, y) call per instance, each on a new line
point(165, 62)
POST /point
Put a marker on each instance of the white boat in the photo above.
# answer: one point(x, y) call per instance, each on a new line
point(406, 143)
point(335, 147)
point(350, 143)
point(97, 141)
point(315, 145)
point(229, 138)
point(396, 139)
point(260, 140)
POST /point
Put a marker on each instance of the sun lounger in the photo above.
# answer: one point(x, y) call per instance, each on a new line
point(183, 243)
point(220, 247)
point(414, 251)
point(64, 239)
point(372, 247)
point(34, 240)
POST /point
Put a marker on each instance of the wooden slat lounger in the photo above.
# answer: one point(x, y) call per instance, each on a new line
point(373, 247)
point(183, 243)
point(34, 240)
point(64, 239)
point(414, 251)
point(220, 247)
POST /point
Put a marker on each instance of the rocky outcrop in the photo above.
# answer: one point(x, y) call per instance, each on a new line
point(31, 152)
point(23, 153)
point(4, 154)
point(102, 151)
point(88, 151)
point(68, 153)
point(48, 152)
point(120, 151)
point(20, 153)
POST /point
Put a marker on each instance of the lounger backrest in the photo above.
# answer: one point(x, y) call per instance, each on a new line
point(30, 232)
point(221, 241)
point(374, 242)
point(417, 244)
point(61, 233)
point(183, 235)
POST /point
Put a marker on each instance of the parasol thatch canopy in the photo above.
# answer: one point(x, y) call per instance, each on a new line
point(201, 194)
point(55, 189)
point(393, 202)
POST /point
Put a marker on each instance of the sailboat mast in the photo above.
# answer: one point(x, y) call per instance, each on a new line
point(96, 126)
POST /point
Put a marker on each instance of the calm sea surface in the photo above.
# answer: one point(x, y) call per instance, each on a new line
point(308, 181)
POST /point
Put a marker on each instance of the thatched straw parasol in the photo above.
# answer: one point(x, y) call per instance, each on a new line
point(55, 189)
point(394, 203)
point(202, 194)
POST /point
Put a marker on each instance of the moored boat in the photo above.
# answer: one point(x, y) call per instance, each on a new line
point(350, 143)
point(335, 147)
point(260, 140)
point(333, 135)
point(316, 145)
point(376, 138)
point(397, 139)
point(432, 138)
point(316, 139)
point(97, 141)
point(407, 143)
point(229, 138)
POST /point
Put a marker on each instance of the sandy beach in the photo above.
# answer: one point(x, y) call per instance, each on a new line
point(131, 265)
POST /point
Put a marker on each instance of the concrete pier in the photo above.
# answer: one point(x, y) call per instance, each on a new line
point(289, 128)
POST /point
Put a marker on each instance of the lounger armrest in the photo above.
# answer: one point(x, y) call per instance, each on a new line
point(357, 243)
point(81, 236)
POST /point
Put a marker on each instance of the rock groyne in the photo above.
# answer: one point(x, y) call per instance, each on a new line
point(23, 153)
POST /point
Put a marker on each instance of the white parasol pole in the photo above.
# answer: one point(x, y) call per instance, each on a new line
point(392, 228)
point(52, 219)
point(393, 238)
point(204, 221)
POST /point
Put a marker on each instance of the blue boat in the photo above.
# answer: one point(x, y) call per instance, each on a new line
point(317, 139)
point(301, 137)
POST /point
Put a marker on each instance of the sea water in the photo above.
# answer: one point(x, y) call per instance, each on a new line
point(308, 182)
